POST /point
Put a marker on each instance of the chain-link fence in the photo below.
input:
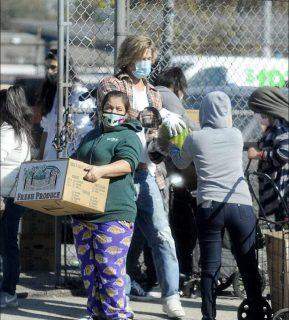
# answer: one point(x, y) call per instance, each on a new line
point(234, 46)
point(87, 56)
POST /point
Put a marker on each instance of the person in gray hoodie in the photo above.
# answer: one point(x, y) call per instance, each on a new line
point(224, 201)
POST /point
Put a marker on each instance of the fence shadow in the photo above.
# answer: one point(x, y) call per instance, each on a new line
point(53, 310)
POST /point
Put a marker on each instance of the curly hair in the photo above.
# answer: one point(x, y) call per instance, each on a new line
point(132, 49)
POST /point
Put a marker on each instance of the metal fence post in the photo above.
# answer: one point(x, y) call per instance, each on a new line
point(267, 27)
point(167, 38)
point(120, 24)
point(168, 33)
point(60, 50)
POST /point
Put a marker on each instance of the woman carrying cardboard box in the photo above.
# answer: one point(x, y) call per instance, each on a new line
point(15, 142)
point(102, 240)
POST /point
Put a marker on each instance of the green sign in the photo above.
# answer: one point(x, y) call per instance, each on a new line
point(270, 78)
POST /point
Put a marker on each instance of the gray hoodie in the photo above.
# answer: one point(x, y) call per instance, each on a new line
point(216, 151)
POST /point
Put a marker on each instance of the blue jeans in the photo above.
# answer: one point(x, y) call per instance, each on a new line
point(240, 221)
point(153, 222)
point(9, 238)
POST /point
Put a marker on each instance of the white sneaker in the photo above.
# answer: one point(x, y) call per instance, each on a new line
point(7, 300)
point(173, 308)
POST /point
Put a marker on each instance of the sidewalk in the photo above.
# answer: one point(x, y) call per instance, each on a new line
point(72, 308)
point(39, 300)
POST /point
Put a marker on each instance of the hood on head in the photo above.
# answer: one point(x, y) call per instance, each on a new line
point(270, 101)
point(216, 111)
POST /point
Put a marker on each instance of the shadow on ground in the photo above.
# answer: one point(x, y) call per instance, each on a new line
point(53, 310)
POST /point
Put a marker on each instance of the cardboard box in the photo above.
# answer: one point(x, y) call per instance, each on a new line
point(37, 252)
point(34, 223)
point(277, 247)
point(57, 187)
point(37, 242)
point(37, 263)
point(193, 115)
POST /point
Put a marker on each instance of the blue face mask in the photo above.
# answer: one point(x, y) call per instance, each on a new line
point(142, 69)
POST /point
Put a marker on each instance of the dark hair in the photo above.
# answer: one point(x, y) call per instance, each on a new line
point(172, 77)
point(117, 94)
point(52, 54)
point(15, 111)
point(48, 90)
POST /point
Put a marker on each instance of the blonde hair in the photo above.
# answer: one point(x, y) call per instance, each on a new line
point(132, 49)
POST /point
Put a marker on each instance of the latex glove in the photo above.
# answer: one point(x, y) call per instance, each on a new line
point(174, 123)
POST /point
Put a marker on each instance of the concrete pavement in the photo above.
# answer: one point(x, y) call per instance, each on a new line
point(71, 308)
point(40, 300)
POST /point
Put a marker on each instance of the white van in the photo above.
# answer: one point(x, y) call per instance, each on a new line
point(203, 71)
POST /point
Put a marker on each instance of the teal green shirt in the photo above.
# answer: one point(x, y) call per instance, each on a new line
point(104, 148)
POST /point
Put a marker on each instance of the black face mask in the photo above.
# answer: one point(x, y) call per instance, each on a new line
point(52, 78)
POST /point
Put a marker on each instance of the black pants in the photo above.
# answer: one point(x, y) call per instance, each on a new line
point(182, 221)
point(10, 250)
point(240, 221)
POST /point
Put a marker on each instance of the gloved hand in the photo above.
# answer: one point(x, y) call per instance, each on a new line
point(174, 123)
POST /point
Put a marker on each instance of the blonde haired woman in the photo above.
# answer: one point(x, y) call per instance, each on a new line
point(134, 63)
